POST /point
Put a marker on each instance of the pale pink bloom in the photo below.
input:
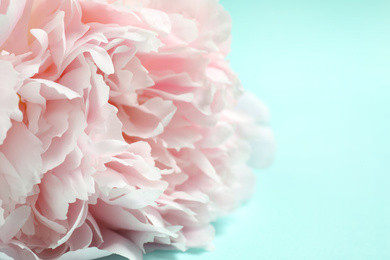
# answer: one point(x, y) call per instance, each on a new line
point(120, 131)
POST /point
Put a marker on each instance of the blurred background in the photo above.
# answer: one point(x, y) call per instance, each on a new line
point(322, 68)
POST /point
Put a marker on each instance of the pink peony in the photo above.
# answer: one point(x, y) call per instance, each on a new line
point(120, 130)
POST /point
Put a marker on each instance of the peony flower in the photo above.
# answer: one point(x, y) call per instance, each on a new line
point(121, 127)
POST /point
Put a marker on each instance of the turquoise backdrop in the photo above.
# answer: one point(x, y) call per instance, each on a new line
point(322, 67)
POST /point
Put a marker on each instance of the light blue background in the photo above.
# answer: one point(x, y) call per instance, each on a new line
point(322, 67)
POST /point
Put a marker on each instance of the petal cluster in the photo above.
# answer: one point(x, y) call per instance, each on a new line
point(122, 127)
